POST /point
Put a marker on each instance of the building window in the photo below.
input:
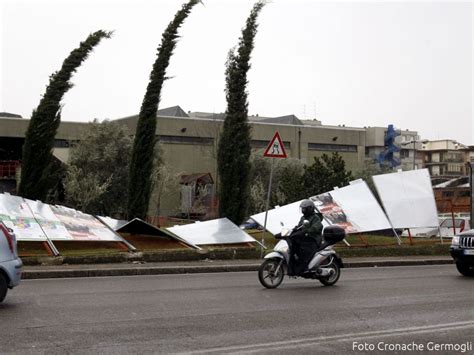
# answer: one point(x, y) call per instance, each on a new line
point(61, 143)
point(185, 140)
point(447, 194)
point(454, 168)
point(464, 193)
point(404, 153)
point(453, 157)
point(332, 147)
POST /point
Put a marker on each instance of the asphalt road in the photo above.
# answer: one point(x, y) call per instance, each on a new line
point(380, 308)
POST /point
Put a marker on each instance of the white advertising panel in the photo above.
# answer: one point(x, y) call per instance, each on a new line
point(82, 226)
point(288, 215)
point(408, 198)
point(48, 221)
point(15, 214)
point(353, 208)
point(112, 222)
point(217, 231)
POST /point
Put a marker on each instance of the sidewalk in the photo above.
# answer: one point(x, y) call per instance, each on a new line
point(203, 266)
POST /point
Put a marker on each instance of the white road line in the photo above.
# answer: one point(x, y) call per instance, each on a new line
point(299, 343)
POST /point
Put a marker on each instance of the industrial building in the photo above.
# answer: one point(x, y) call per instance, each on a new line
point(188, 143)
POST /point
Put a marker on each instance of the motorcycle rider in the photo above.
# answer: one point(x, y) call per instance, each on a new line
point(305, 240)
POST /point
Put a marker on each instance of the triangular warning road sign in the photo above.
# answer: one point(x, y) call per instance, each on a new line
point(275, 149)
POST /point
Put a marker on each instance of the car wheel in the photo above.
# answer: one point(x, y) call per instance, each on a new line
point(465, 268)
point(3, 287)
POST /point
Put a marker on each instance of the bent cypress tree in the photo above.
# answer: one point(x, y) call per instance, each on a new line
point(234, 144)
point(37, 159)
point(141, 165)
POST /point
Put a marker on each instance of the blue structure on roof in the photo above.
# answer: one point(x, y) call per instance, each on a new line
point(387, 157)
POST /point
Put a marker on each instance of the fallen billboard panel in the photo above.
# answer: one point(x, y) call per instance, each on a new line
point(113, 223)
point(353, 208)
point(15, 214)
point(138, 227)
point(286, 216)
point(217, 231)
point(408, 198)
point(82, 226)
point(50, 224)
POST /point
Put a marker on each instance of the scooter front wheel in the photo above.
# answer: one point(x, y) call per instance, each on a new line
point(270, 273)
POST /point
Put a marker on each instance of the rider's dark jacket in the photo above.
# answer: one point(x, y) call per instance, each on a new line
point(305, 241)
point(314, 229)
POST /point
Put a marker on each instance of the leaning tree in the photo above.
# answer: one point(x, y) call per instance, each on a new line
point(37, 160)
point(234, 146)
point(141, 167)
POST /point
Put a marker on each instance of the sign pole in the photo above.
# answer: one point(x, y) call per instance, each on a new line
point(266, 205)
point(275, 149)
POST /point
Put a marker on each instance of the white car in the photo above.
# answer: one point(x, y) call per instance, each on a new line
point(10, 264)
point(445, 228)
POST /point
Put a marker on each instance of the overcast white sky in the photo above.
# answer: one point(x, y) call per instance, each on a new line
point(355, 63)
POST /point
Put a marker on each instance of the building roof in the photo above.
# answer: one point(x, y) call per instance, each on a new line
point(174, 111)
point(9, 115)
point(289, 119)
point(207, 115)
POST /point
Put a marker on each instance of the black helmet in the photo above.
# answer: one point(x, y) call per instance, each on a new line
point(307, 207)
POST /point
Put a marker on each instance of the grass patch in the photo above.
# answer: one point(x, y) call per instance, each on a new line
point(361, 246)
point(375, 245)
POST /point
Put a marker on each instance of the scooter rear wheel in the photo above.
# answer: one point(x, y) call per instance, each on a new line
point(331, 279)
point(270, 273)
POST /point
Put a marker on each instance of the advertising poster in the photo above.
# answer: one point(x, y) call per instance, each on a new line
point(82, 226)
point(51, 225)
point(333, 213)
point(15, 214)
point(353, 207)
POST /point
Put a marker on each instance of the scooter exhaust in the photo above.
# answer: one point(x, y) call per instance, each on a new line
point(324, 271)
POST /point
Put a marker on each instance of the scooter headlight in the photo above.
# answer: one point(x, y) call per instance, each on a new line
point(285, 232)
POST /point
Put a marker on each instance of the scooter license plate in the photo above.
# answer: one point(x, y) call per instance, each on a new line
point(469, 252)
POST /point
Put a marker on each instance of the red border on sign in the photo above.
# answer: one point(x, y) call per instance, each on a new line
point(270, 146)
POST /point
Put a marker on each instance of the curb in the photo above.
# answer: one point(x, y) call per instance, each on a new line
point(167, 270)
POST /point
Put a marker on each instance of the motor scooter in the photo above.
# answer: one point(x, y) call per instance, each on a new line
point(325, 265)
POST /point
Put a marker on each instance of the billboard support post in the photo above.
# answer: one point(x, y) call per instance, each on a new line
point(51, 245)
